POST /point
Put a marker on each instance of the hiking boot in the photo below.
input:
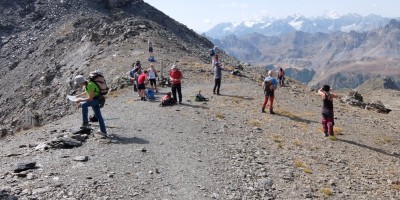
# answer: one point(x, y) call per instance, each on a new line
point(85, 125)
point(263, 110)
point(271, 112)
point(326, 134)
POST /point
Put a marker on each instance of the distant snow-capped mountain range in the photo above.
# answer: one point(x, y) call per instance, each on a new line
point(325, 24)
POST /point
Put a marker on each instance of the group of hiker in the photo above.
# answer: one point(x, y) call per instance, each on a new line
point(139, 78)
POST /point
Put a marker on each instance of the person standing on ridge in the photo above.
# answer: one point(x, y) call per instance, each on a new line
point(152, 74)
point(281, 77)
point(142, 85)
point(132, 77)
point(92, 93)
point(269, 86)
point(217, 77)
point(327, 110)
point(176, 77)
point(150, 44)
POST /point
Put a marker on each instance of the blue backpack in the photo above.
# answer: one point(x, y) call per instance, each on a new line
point(150, 94)
point(151, 59)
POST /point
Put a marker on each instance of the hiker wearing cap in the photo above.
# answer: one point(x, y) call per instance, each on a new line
point(281, 77)
point(176, 76)
point(152, 74)
point(89, 98)
point(269, 85)
point(327, 109)
point(217, 77)
point(142, 85)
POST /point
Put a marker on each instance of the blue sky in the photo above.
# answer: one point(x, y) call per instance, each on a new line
point(202, 15)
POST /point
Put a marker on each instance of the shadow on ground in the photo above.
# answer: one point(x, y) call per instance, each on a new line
point(295, 118)
point(238, 96)
point(368, 147)
point(129, 140)
point(193, 106)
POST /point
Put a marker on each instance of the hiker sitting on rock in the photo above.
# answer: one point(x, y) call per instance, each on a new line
point(327, 109)
point(269, 86)
point(92, 93)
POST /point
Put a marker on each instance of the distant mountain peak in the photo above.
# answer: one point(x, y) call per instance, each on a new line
point(329, 22)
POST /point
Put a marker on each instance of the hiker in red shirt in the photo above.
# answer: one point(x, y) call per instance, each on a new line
point(142, 85)
point(176, 77)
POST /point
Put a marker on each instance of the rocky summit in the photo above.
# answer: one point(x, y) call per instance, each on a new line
point(220, 148)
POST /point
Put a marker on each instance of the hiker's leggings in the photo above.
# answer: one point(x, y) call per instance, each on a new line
point(96, 109)
point(217, 85)
point(176, 88)
point(271, 99)
point(327, 125)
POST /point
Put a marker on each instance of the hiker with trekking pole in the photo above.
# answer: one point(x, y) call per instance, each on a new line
point(269, 86)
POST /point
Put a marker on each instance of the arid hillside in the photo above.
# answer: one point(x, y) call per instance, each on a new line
point(44, 44)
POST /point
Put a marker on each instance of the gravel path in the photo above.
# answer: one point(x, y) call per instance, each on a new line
point(221, 149)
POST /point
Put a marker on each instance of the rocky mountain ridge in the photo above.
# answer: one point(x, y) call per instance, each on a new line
point(44, 44)
point(276, 27)
point(339, 59)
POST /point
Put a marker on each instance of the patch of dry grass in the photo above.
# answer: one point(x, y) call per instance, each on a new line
point(383, 140)
point(219, 116)
point(297, 142)
point(280, 146)
point(277, 138)
point(310, 114)
point(308, 170)
point(300, 164)
point(337, 130)
point(327, 191)
point(255, 123)
point(393, 171)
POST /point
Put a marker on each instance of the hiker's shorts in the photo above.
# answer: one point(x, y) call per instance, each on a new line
point(141, 86)
point(269, 93)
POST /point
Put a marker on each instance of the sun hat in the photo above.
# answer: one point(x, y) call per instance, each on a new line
point(174, 67)
point(79, 80)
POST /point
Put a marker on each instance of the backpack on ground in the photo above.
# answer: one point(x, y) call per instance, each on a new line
point(212, 52)
point(98, 78)
point(167, 100)
point(150, 94)
point(200, 97)
point(151, 59)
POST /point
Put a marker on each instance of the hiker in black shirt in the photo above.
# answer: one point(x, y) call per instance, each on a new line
point(327, 110)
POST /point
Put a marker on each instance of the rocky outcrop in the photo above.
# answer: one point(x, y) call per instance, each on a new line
point(356, 99)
